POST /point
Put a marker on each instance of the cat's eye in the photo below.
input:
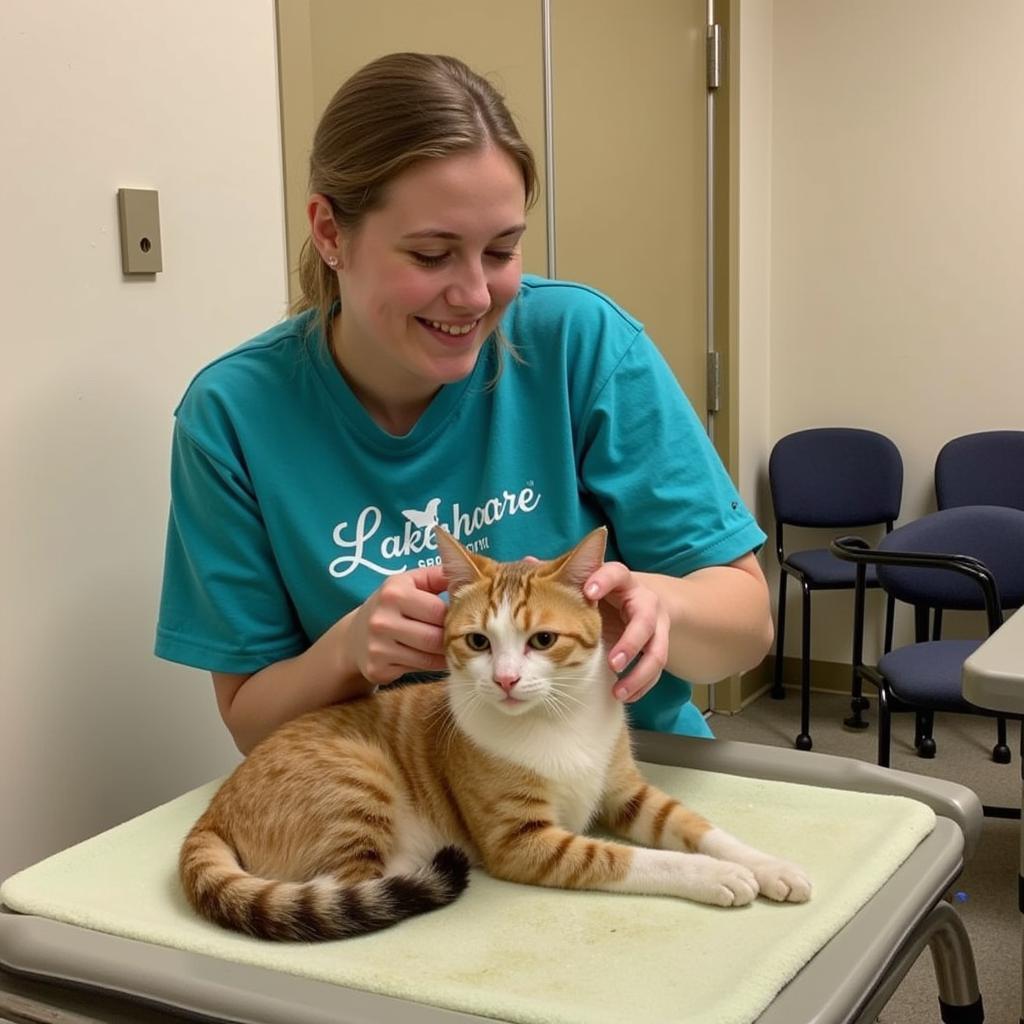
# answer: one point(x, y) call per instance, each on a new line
point(477, 642)
point(542, 641)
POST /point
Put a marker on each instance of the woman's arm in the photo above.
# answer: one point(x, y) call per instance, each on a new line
point(397, 630)
point(252, 706)
point(702, 627)
point(721, 620)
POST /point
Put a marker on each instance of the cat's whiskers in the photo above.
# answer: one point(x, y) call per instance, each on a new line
point(559, 685)
point(466, 699)
point(448, 734)
point(439, 715)
point(570, 697)
point(553, 705)
point(564, 697)
point(443, 721)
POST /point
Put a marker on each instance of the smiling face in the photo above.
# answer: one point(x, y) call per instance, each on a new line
point(425, 279)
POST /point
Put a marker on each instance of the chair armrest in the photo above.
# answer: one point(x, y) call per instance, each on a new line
point(854, 549)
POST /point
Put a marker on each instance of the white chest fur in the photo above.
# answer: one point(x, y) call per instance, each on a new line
point(572, 753)
point(577, 799)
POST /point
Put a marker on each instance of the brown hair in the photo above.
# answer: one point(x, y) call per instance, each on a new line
point(394, 112)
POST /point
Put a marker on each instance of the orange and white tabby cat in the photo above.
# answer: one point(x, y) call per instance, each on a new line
point(358, 815)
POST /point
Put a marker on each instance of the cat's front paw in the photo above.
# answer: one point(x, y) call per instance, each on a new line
point(782, 881)
point(725, 884)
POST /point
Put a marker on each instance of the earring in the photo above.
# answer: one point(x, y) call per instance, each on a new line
point(332, 262)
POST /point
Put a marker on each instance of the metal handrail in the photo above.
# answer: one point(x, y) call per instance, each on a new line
point(854, 549)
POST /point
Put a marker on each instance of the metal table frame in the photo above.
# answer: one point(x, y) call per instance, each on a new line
point(993, 678)
point(80, 976)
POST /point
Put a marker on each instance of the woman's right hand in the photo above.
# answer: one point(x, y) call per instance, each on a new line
point(399, 628)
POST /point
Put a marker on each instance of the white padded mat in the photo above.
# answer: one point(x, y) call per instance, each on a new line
point(525, 954)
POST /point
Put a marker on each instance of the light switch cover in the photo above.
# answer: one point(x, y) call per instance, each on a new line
point(139, 214)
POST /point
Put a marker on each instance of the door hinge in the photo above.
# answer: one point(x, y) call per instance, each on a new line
point(714, 382)
point(714, 56)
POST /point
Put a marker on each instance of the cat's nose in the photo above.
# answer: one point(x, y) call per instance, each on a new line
point(506, 680)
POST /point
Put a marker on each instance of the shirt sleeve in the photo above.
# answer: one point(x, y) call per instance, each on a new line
point(646, 459)
point(224, 606)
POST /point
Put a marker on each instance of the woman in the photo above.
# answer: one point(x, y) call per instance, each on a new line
point(425, 380)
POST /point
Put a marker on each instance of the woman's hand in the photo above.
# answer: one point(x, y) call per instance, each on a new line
point(399, 628)
point(636, 626)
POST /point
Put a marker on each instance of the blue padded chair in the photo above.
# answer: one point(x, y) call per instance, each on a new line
point(966, 558)
point(833, 478)
point(986, 468)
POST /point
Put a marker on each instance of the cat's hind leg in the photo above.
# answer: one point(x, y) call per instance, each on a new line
point(416, 843)
point(357, 813)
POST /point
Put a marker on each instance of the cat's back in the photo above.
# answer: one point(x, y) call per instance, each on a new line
point(390, 718)
point(300, 772)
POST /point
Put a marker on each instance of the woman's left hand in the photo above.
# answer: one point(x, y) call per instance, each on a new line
point(636, 627)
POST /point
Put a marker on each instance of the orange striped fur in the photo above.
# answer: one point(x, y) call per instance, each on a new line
point(358, 815)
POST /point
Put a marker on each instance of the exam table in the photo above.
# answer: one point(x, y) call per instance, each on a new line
point(993, 678)
point(60, 972)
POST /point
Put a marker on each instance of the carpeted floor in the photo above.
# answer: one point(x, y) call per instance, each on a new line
point(986, 893)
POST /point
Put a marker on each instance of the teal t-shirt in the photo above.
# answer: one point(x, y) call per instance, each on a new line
point(290, 506)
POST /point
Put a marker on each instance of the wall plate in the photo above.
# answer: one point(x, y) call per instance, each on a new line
point(139, 214)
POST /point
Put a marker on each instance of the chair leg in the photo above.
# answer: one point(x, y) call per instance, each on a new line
point(890, 618)
point(1001, 752)
point(858, 702)
point(803, 741)
point(778, 691)
point(884, 727)
point(923, 740)
point(921, 623)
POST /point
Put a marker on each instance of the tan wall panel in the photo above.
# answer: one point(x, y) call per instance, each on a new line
point(629, 99)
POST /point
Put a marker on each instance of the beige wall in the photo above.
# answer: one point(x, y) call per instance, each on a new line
point(896, 220)
point(181, 97)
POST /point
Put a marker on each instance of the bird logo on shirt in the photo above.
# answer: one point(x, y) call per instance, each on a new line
point(425, 519)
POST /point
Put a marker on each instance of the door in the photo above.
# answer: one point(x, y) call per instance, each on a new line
point(629, 100)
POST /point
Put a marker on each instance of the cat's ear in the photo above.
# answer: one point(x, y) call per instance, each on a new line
point(577, 566)
point(460, 567)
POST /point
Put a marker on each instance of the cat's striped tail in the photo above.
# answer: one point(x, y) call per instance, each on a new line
point(220, 890)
